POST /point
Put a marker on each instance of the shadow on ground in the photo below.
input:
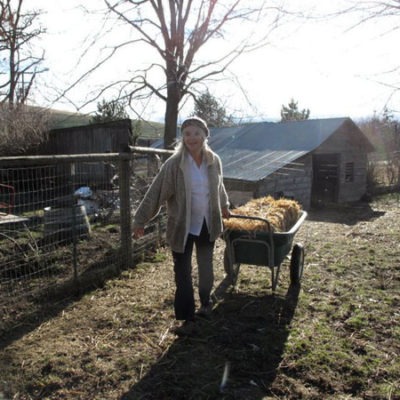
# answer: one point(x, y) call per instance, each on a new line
point(245, 338)
point(47, 304)
point(349, 214)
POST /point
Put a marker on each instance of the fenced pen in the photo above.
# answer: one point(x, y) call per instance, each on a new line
point(65, 223)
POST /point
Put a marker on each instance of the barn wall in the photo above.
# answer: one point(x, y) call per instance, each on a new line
point(351, 151)
point(292, 181)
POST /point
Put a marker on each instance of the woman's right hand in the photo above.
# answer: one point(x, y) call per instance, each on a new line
point(138, 233)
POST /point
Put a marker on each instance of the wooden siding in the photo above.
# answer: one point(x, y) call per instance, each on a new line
point(111, 137)
point(350, 151)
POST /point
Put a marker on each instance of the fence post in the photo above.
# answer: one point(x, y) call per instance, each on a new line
point(125, 211)
point(73, 230)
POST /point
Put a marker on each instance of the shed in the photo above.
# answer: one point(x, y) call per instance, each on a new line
point(108, 137)
point(313, 161)
point(105, 137)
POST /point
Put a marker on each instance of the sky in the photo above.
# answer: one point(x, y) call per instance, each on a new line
point(328, 65)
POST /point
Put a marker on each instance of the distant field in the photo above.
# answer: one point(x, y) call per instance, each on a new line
point(152, 129)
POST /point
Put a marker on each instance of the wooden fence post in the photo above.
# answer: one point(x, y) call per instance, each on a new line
point(125, 211)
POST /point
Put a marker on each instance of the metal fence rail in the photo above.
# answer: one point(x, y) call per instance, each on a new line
point(65, 221)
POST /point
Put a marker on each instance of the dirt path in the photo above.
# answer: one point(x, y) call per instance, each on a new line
point(337, 337)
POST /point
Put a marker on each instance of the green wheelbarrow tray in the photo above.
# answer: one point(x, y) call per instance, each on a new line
point(263, 248)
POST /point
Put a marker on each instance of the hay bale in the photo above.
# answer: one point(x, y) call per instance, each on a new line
point(281, 214)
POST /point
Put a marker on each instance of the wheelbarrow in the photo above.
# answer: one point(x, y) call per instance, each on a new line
point(263, 248)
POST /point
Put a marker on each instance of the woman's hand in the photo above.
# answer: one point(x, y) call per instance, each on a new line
point(226, 213)
point(138, 233)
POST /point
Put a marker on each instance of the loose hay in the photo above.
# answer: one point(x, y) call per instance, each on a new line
point(281, 214)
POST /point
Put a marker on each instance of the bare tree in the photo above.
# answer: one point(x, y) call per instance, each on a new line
point(178, 32)
point(373, 9)
point(19, 67)
point(23, 129)
point(383, 131)
point(388, 11)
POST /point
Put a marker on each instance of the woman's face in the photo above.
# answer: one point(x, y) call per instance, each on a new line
point(193, 139)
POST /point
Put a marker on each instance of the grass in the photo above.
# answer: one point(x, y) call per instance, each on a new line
point(335, 337)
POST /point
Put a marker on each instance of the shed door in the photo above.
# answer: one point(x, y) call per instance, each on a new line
point(325, 185)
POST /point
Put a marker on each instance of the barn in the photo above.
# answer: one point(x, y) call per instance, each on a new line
point(315, 162)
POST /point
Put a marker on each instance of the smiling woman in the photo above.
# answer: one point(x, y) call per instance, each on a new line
point(190, 183)
point(194, 134)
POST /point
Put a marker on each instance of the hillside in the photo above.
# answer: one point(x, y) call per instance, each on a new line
point(64, 119)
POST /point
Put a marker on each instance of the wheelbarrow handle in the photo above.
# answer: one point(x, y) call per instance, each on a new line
point(249, 217)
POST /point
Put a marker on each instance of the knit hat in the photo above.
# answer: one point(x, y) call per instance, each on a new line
point(197, 121)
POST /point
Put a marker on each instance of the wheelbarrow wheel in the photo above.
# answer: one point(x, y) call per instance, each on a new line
point(231, 270)
point(296, 264)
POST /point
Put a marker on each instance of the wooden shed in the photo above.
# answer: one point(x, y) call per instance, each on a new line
point(109, 137)
point(313, 161)
point(106, 137)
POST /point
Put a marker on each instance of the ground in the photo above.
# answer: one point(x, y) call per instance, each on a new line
point(337, 336)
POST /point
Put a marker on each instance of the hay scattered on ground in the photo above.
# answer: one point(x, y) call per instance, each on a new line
point(335, 336)
point(281, 214)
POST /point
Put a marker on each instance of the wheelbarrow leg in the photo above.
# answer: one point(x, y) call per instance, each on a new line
point(275, 276)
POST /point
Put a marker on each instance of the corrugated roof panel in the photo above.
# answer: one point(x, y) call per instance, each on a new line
point(253, 166)
point(254, 151)
point(298, 135)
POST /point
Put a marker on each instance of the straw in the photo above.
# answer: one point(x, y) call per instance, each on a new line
point(281, 214)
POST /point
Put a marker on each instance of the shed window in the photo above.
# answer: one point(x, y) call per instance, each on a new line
point(349, 172)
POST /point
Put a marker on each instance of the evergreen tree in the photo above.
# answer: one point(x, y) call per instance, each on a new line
point(208, 108)
point(108, 111)
point(292, 112)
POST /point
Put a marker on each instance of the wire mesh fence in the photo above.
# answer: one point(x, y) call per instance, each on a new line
point(65, 224)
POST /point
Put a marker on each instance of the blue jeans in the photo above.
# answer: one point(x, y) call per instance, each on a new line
point(184, 295)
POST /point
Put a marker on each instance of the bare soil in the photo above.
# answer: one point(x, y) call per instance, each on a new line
point(336, 336)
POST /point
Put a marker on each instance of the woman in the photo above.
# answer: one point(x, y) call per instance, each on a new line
point(190, 182)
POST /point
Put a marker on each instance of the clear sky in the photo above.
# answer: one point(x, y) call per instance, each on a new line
point(327, 67)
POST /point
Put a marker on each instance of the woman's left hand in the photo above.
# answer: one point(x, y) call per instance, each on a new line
point(226, 213)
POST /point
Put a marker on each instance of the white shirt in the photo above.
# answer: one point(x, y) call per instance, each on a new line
point(199, 196)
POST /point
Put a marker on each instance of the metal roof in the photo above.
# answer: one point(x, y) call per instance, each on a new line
point(252, 152)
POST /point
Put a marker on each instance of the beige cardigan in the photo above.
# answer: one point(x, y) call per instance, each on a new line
point(172, 186)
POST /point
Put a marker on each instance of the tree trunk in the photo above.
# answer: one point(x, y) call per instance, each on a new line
point(171, 118)
point(12, 75)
